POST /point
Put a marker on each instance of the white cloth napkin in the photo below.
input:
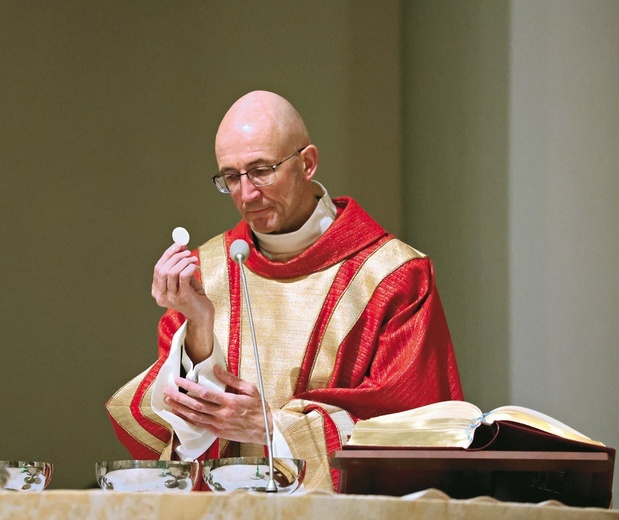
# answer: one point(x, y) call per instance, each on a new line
point(193, 440)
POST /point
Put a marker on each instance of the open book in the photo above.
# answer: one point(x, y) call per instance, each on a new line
point(451, 424)
point(511, 453)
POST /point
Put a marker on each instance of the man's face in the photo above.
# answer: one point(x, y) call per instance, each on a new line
point(279, 207)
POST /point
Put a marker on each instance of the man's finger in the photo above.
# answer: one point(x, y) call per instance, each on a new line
point(197, 390)
point(167, 254)
point(187, 274)
point(190, 415)
point(242, 386)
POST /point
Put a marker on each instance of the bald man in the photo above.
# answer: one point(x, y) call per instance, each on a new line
point(349, 323)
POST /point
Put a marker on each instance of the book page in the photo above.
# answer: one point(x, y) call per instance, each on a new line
point(538, 420)
point(443, 424)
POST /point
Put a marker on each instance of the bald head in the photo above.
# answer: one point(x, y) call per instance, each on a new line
point(266, 114)
point(261, 131)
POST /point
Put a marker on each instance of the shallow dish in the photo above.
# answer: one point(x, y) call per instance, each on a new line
point(147, 475)
point(252, 474)
point(19, 475)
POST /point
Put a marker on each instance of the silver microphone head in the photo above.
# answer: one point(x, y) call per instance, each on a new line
point(239, 248)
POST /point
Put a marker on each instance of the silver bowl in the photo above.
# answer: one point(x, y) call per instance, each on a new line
point(252, 474)
point(18, 475)
point(147, 475)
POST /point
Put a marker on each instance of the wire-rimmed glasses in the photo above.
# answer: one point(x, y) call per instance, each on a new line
point(229, 182)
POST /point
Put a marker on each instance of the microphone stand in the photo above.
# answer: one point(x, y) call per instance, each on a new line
point(240, 257)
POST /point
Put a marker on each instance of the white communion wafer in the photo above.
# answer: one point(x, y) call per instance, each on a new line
point(180, 236)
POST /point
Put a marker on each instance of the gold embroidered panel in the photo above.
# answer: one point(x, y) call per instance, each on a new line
point(285, 313)
point(214, 271)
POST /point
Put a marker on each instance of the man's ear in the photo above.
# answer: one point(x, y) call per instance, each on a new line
point(310, 161)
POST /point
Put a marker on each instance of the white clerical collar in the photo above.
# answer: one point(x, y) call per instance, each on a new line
point(281, 248)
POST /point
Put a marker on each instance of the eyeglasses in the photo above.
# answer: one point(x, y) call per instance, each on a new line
point(259, 176)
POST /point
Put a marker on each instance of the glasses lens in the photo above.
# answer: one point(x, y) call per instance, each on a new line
point(220, 182)
point(232, 181)
point(261, 176)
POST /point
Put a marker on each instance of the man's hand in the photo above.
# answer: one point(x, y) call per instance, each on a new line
point(174, 284)
point(176, 287)
point(236, 417)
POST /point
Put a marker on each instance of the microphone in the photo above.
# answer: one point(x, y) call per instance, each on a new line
point(239, 252)
point(239, 247)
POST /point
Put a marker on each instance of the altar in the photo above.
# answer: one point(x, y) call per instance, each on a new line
point(429, 504)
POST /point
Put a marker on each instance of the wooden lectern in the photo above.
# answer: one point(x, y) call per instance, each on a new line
point(575, 478)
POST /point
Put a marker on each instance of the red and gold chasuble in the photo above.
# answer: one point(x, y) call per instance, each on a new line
point(351, 328)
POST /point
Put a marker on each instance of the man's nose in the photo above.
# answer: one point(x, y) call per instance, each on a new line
point(249, 192)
